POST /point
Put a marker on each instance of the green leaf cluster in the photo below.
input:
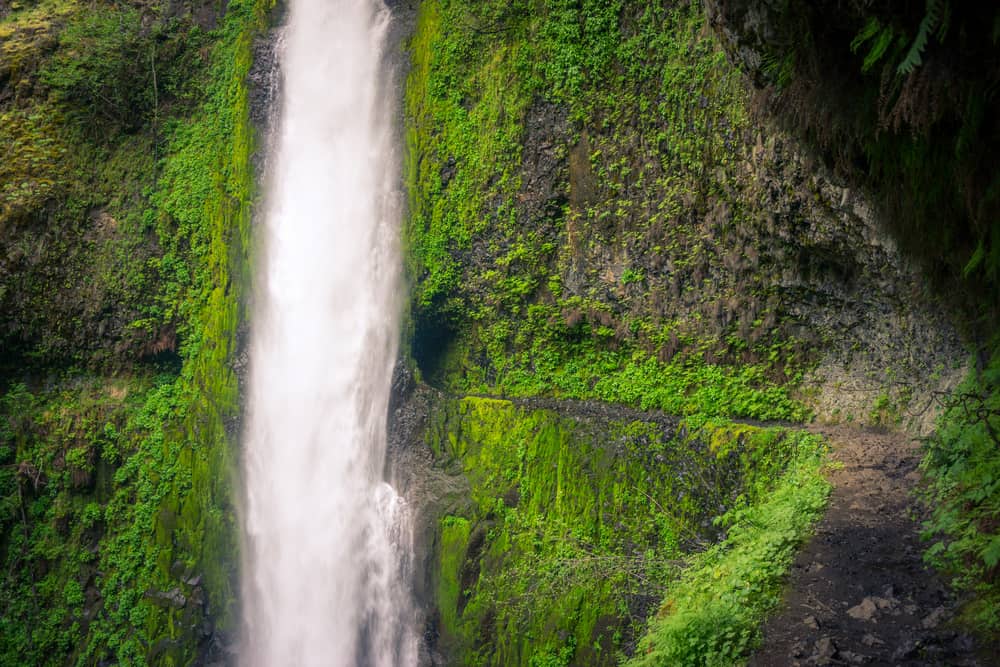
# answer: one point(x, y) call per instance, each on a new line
point(962, 466)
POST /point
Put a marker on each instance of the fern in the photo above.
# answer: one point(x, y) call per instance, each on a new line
point(974, 261)
point(870, 30)
point(937, 14)
point(879, 47)
point(880, 36)
point(944, 23)
point(780, 70)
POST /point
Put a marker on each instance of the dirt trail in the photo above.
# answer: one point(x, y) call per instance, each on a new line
point(859, 593)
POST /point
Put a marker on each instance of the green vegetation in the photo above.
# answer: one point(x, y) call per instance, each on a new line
point(901, 97)
point(682, 387)
point(96, 490)
point(711, 616)
point(578, 525)
point(577, 177)
point(584, 223)
point(592, 215)
point(572, 170)
point(55, 484)
point(87, 94)
point(110, 72)
point(962, 466)
point(117, 500)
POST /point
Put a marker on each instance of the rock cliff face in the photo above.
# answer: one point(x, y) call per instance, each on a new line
point(535, 535)
point(891, 94)
point(774, 249)
point(602, 207)
point(124, 234)
point(652, 212)
point(900, 99)
point(635, 222)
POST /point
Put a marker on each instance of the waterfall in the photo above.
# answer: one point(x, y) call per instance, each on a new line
point(325, 538)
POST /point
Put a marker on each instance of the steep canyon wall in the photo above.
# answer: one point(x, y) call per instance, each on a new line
point(611, 230)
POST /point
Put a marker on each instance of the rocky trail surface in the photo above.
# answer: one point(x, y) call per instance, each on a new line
point(859, 592)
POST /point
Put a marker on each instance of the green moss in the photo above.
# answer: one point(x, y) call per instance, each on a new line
point(578, 523)
point(140, 464)
point(638, 127)
point(36, 168)
point(712, 614)
point(450, 596)
point(444, 218)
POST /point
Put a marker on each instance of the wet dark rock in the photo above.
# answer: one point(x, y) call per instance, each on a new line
point(178, 570)
point(431, 490)
point(264, 80)
point(853, 658)
point(824, 652)
point(864, 611)
point(400, 389)
point(934, 619)
point(197, 597)
point(172, 598)
point(163, 646)
point(448, 170)
point(545, 181)
point(512, 497)
point(909, 648)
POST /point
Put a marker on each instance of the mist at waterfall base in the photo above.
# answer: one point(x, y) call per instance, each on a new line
point(326, 540)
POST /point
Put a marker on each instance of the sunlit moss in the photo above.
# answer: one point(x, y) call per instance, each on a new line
point(157, 529)
point(579, 523)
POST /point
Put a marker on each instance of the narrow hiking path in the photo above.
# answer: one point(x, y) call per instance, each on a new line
point(859, 592)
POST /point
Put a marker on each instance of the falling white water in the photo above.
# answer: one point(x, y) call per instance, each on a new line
point(326, 538)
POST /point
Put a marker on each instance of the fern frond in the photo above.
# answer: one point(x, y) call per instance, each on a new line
point(935, 11)
point(945, 22)
point(871, 28)
point(974, 261)
point(879, 47)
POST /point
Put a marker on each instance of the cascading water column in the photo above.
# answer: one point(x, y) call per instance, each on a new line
point(325, 537)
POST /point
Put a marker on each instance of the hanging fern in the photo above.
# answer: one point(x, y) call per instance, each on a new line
point(870, 30)
point(936, 17)
point(974, 261)
point(881, 38)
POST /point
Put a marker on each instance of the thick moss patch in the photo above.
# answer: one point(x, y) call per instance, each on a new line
point(118, 519)
point(712, 614)
point(580, 525)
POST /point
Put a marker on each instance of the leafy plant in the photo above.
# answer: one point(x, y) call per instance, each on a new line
point(109, 486)
point(936, 17)
point(962, 465)
point(711, 616)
